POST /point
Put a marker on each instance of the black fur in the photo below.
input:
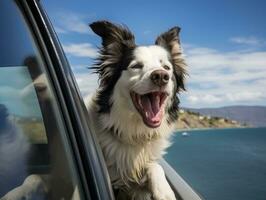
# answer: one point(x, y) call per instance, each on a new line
point(173, 110)
point(118, 44)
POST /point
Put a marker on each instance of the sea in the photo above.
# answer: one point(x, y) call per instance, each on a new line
point(222, 164)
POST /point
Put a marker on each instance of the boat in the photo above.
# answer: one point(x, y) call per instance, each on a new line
point(185, 134)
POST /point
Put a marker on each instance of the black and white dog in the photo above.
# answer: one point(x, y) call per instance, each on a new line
point(135, 108)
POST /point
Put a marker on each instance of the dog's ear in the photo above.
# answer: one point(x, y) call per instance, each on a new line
point(114, 57)
point(171, 42)
point(117, 42)
point(113, 34)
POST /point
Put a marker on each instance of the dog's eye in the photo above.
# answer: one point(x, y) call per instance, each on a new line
point(166, 67)
point(137, 66)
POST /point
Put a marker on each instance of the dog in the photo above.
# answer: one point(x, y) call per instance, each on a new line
point(135, 108)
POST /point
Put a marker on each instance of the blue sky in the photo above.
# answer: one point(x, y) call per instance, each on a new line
point(224, 42)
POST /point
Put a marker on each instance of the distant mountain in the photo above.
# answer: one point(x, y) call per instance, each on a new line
point(254, 116)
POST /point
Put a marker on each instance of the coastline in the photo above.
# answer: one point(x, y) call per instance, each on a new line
point(212, 128)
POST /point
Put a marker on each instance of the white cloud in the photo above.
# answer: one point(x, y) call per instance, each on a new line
point(59, 30)
point(205, 98)
point(87, 82)
point(193, 99)
point(212, 59)
point(213, 100)
point(233, 77)
point(66, 21)
point(80, 50)
point(247, 41)
point(245, 96)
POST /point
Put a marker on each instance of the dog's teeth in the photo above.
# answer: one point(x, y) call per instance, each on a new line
point(146, 114)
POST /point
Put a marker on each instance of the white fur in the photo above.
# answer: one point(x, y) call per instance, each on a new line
point(161, 189)
point(132, 149)
point(153, 58)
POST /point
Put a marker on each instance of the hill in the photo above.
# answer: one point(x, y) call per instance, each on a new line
point(254, 116)
point(192, 120)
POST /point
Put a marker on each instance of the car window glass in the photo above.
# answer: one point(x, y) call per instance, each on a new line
point(36, 161)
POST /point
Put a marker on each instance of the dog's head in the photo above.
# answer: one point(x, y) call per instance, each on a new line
point(143, 80)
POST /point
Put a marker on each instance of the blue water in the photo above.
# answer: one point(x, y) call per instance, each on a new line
point(225, 164)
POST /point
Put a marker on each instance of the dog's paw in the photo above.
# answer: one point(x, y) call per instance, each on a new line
point(159, 186)
point(162, 192)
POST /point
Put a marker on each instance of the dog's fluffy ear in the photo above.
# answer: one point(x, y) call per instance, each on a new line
point(117, 42)
point(171, 42)
point(112, 33)
point(114, 57)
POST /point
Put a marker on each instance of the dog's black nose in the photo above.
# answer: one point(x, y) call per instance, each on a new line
point(159, 77)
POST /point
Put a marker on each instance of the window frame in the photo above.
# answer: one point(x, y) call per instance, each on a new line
point(88, 157)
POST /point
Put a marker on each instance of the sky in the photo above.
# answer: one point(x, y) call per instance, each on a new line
point(224, 43)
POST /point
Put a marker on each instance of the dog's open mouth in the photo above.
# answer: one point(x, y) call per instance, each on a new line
point(150, 106)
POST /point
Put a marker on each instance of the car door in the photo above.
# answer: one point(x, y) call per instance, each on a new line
point(46, 148)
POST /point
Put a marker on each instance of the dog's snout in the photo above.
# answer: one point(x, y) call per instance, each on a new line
point(159, 77)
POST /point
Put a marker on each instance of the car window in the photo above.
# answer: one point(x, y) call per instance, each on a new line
point(36, 161)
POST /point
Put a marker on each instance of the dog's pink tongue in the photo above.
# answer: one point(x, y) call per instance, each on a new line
point(151, 106)
point(155, 103)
